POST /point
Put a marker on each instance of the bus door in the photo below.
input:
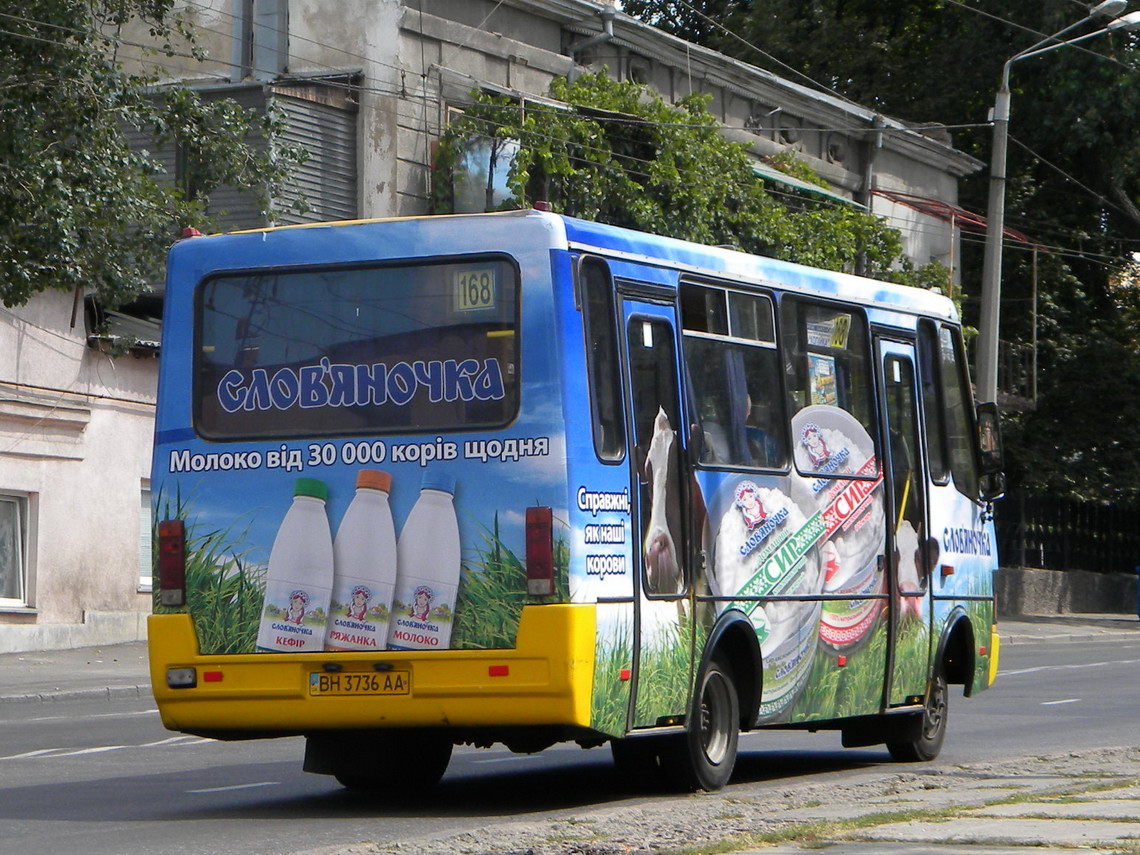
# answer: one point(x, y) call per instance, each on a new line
point(663, 658)
point(908, 522)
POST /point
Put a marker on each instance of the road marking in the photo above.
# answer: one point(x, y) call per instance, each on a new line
point(1055, 703)
point(99, 749)
point(102, 749)
point(237, 787)
point(175, 740)
point(82, 717)
point(29, 754)
point(1081, 666)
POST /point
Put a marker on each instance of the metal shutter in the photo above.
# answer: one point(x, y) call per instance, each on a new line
point(327, 180)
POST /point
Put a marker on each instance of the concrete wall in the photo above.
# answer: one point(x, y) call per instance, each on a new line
point(75, 441)
point(1021, 591)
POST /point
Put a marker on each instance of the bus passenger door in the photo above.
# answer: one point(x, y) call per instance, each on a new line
point(659, 487)
point(908, 523)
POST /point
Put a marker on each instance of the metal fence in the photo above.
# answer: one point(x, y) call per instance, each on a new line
point(1067, 534)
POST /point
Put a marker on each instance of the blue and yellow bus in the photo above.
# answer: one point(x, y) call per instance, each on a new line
point(688, 492)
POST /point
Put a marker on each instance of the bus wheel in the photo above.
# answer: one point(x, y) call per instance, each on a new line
point(929, 741)
point(703, 757)
point(395, 764)
point(636, 759)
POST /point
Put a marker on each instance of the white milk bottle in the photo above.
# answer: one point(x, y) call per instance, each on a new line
point(427, 559)
point(300, 574)
point(364, 558)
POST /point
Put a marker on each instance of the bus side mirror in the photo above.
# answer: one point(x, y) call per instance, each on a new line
point(992, 455)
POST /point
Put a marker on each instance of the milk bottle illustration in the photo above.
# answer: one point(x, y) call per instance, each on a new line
point(364, 557)
point(300, 574)
point(427, 558)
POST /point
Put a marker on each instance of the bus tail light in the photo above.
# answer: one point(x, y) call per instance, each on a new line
point(181, 678)
point(172, 562)
point(539, 552)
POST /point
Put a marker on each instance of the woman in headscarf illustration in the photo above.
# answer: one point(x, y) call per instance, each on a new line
point(358, 608)
point(747, 498)
point(811, 437)
point(296, 611)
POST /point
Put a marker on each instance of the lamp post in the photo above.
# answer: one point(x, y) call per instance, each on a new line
point(995, 216)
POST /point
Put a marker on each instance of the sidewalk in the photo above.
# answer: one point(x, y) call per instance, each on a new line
point(121, 670)
point(110, 672)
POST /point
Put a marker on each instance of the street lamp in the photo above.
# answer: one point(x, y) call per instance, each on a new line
point(995, 216)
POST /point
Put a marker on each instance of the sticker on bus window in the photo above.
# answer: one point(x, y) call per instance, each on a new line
point(474, 289)
point(831, 331)
point(821, 375)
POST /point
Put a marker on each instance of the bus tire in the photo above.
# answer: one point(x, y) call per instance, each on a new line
point(703, 757)
point(928, 743)
point(638, 762)
point(395, 764)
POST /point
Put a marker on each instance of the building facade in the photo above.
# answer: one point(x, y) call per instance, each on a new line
point(367, 86)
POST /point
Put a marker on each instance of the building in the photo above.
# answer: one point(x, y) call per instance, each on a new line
point(366, 86)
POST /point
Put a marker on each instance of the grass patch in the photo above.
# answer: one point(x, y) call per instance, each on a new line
point(609, 703)
point(224, 591)
point(665, 674)
point(492, 593)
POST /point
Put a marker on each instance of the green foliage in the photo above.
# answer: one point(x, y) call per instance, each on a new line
point(78, 207)
point(622, 156)
point(1073, 183)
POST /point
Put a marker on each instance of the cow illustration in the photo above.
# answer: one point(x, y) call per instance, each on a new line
point(662, 565)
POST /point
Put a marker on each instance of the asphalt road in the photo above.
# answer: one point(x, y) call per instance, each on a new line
point(105, 777)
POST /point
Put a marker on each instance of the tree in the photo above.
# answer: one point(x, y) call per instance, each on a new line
point(78, 207)
point(1074, 178)
point(622, 156)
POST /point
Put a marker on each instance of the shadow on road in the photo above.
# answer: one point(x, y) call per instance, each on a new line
point(279, 791)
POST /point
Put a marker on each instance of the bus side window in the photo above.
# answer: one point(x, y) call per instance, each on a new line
point(959, 416)
point(826, 359)
point(602, 363)
point(933, 401)
point(733, 368)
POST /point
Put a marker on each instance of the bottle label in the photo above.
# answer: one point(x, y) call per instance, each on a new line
point(422, 615)
point(293, 618)
point(359, 616)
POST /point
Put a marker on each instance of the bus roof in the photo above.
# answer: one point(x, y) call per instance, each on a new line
point(563, 232)
point(755, 269)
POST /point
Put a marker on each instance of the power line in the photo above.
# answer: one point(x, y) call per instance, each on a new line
point(718, 25)
point(1037, 33)
point(424, 94)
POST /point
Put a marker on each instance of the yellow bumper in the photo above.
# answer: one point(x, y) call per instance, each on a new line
point(546, 680)
point(995, 654)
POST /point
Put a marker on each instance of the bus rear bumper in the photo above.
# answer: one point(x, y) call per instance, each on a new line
point(546, 680)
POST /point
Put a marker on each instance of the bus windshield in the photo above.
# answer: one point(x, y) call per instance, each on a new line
point(349, 351)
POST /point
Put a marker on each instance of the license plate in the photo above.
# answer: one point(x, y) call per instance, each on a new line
point(378, 683)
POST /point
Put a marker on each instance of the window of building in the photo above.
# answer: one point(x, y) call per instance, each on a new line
point(13, 551)
point(146, 526)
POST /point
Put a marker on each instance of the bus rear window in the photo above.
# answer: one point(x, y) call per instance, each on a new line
point(351, 351)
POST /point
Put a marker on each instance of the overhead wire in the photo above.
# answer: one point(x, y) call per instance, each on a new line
point(425, 93)
point(1040, 35)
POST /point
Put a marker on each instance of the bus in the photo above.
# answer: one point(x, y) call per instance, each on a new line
point(520, 478)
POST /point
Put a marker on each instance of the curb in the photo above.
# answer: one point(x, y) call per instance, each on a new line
point(106, 693)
